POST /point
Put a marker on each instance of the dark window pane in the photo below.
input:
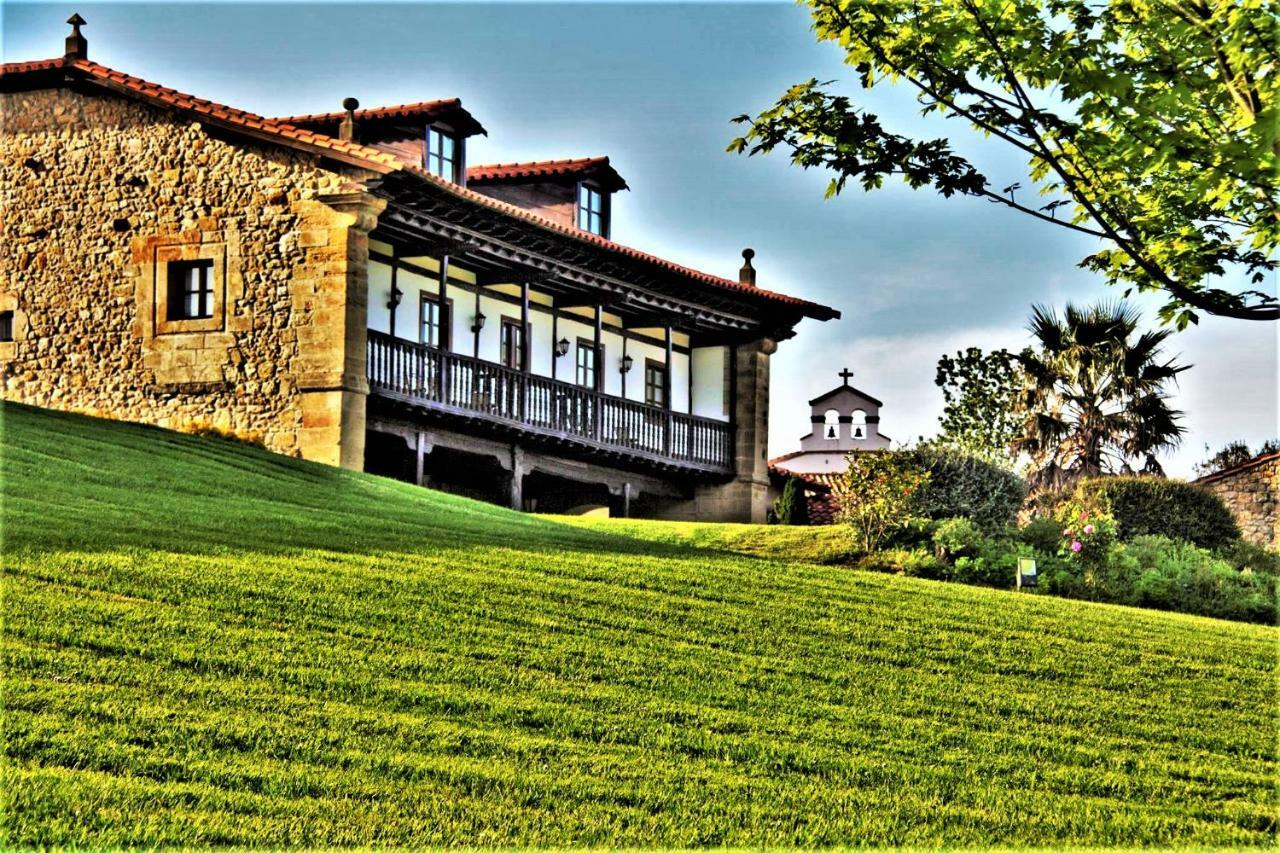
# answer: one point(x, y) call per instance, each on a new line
point(6, 325)
point(190, 290)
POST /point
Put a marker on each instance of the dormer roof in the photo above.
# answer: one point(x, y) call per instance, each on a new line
point(448, 111)
point(596, 169)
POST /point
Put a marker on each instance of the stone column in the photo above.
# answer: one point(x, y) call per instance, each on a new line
point(516, 495)
point(746, 497)
point(330, 296)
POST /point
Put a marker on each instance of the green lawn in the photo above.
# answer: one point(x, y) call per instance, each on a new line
point(207, 644)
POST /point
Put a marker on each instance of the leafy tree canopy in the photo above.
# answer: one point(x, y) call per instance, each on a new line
point(1232, 454)
point(979, 390)
point(1149, 124)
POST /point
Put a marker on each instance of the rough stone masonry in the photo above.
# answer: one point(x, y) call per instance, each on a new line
point(1250, 492)
point(100, 193)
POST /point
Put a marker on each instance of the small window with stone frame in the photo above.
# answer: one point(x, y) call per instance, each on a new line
point(190, 290)
point(6, 326)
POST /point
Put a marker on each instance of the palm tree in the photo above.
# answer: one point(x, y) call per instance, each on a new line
point(1093, 397)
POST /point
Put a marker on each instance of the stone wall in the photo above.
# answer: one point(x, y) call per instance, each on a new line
point(1250, 492)
point(100, 193)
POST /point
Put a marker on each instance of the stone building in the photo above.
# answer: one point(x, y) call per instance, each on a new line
point(347, 288)
point(1250, 491)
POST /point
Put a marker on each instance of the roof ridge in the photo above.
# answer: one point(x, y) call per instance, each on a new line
point(378, 161)
point(372, 112)
point(564, 161)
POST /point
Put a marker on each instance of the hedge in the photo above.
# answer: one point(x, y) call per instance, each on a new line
point(968, 487)
point(1153, 506)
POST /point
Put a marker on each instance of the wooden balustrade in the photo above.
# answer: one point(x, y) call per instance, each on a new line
point(426, 376)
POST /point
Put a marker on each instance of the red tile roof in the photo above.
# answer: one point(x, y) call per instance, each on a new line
point(370, 158)
point(420, 110)
point(573, 168)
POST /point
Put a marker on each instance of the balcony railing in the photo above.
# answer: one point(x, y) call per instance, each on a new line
point(425, 376)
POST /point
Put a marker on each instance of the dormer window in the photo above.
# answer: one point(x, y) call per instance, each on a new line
point(442, 154)
point(593, 210)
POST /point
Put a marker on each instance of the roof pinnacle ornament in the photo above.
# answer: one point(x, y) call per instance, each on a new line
point(747, 275)
point(77, 45)
point(347, 126)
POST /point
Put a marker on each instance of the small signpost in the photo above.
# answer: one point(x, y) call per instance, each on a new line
point(1026, 578)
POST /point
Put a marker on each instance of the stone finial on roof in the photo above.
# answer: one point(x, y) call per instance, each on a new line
point(347, 126)
point(747, 275)
point(77, 45)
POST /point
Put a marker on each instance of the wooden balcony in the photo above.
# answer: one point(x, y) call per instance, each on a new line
point(545, 410)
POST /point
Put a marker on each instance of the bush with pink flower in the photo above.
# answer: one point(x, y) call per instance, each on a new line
point(1088, 535)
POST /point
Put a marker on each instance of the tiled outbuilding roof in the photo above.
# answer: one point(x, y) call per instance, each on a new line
point(274, 130)
point(575, 168)
point(423, 110)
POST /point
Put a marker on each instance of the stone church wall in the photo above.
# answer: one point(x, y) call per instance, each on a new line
point(1251, 492)
point(100, 193)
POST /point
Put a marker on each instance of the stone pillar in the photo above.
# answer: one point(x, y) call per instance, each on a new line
point(746, 497)
point(330, 298)
point(517, 477)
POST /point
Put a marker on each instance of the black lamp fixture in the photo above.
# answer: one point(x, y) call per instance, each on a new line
point(477, 323)
point(627, 361)
point(562, 347)
point(396, 294)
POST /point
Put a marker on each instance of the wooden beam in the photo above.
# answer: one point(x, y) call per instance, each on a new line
point(417, 223)
point(442, 303)
point(391, 303)
point(526, 350)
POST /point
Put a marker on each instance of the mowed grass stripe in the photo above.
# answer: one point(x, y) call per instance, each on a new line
point(231, 647)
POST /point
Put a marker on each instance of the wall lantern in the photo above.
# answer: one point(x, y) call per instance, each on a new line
point(477, 322)
point(627, 361)
point(394, 302)
point(562, 347)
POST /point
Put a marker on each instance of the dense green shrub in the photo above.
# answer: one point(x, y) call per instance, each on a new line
point(957, 537)
point(913, 563)
point(994, 564)
point(791, 507)
point(878, 493)
point(1175, 575)
point(1043, 534)
point(912, 534)
point(1244, 555)
point(966, 486)
point(1154, 506)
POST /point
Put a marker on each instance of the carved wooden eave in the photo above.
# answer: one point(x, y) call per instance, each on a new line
point(500, 246)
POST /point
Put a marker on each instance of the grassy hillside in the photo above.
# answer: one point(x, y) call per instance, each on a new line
point(207, 644)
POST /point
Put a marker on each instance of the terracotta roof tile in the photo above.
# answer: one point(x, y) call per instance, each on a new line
point(422, 108)
point(384, 163)
point(29, 67)
point(498, 172)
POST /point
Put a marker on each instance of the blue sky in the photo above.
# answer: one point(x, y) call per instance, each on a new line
point(654, 86)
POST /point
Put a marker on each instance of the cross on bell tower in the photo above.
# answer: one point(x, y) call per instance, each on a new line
point(846, 375)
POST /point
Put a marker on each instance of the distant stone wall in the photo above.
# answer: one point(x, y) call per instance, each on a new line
point(1250, 492)
point(100, 193)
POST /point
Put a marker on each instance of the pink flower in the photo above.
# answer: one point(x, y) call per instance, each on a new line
point(1083, 516)
point(1076, 546)
point(1088, 529)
